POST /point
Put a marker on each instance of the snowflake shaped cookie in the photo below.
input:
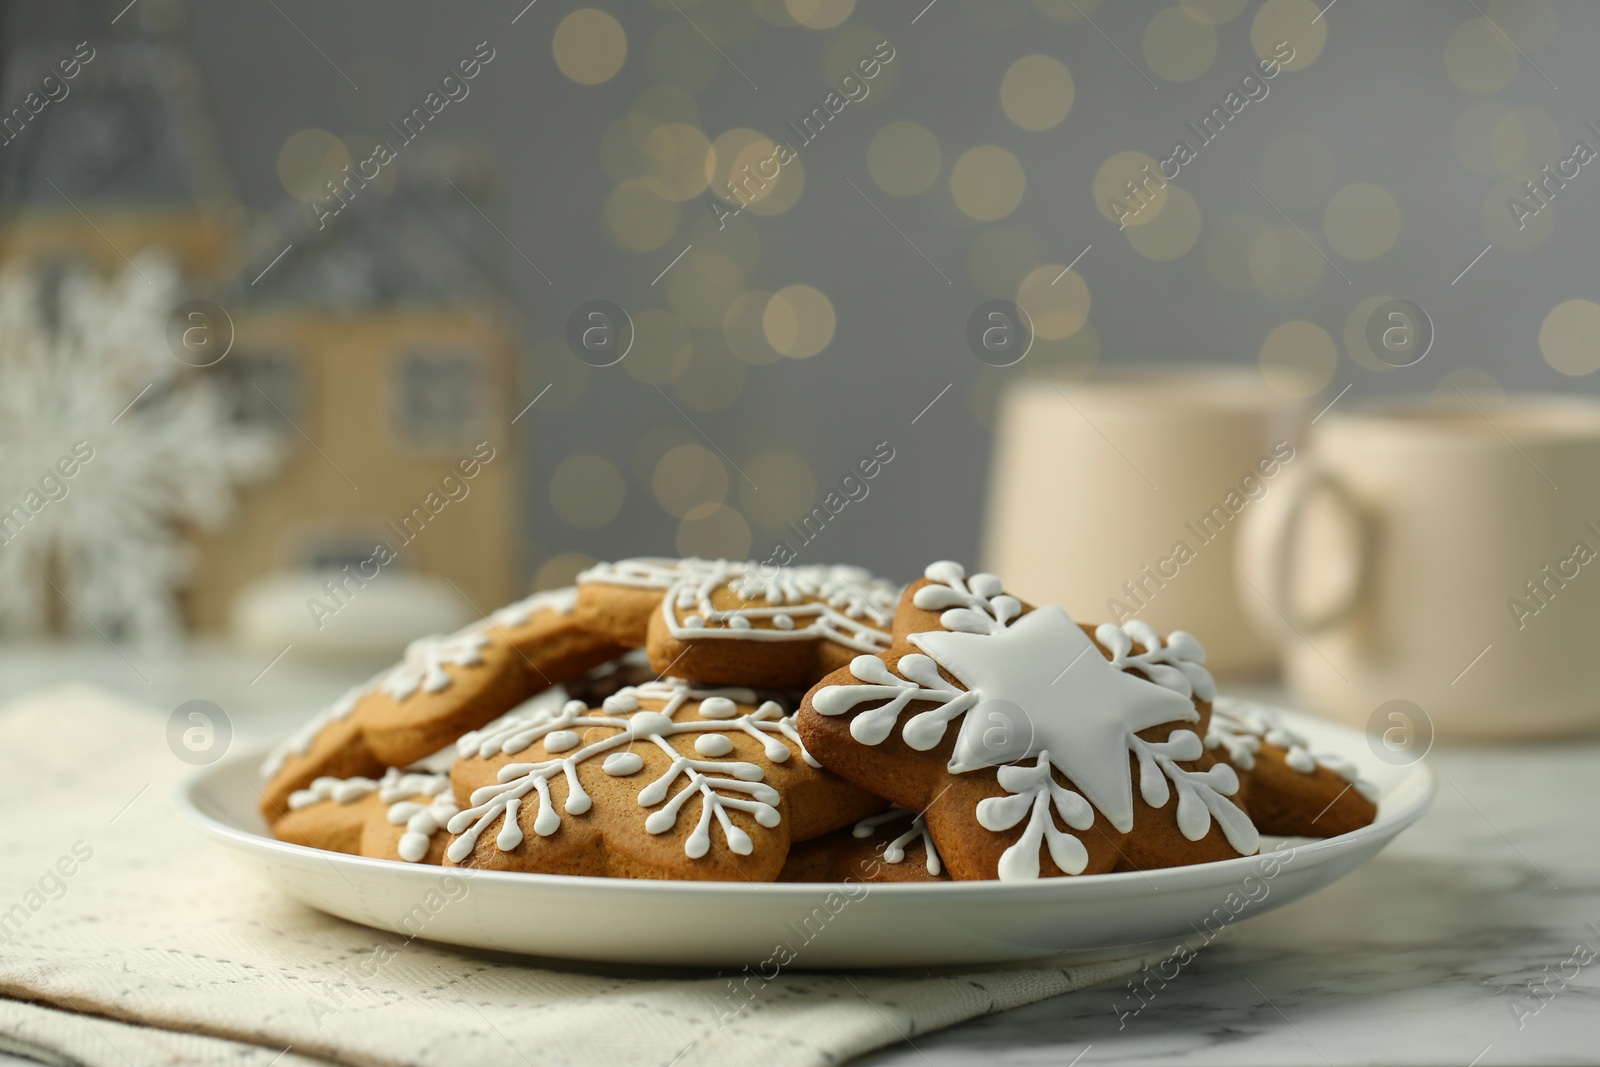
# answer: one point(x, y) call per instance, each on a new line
point(443, 686)
point(748, 623)
point(663, 780)
point(1026, 742)
point(1286, 788)
point(399, 816)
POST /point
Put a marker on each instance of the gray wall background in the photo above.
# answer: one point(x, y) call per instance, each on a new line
point(1379, 97)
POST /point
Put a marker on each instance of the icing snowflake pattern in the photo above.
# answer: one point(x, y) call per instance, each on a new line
point(895, 850)
point(721, 785)
point(649, 572)
point(1084, 715)
point(1238, 727)
point(426, 658)
point(843, 604)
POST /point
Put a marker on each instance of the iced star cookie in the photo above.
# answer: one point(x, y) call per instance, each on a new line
point(893, 846)
point(399, 816)
point(664, 780)
point(777, 627)
point(1031, 747)
point(1287, 790)
point(443, 687)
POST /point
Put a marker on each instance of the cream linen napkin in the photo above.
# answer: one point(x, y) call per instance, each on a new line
point(126, 939)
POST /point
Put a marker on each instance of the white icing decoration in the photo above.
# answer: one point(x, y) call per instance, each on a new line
point(299, 742)
point(721, 786)
point(422, 819)
point(895, 850)
point(1238, 727)
point(845, 605)
point(713, 745)
point(622, 764)
point(560, 601)
point(561, 740)
point(338, 790)
point(1082, 717)
point(425, 660)
point(646, 572)
point(1175, 664)
point(718, 708)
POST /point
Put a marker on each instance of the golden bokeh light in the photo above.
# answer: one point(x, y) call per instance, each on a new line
point(1179, 44)
point(560, 570)
point(714, 531)
point(1036, 92)
point(687, 477)
point(747, 169)
point(661, 346)
point(786, 488)
point(1129, 186)
point(904, 158)
point(1297, 172)
point(987, 183)
point(1478, 59)
point(1296, 23)
point(1056, 303)
point(1171, 233)
point(1283, 265)
point(657, 442)
point(1298, 359)
point(743, 331)
point(1362, 221)
point(700, 287)
point(587, 491)
point(675, 160)
point(310, 159)
point(820, 14)
point(589, 46)
point(637, 218)
point(1569, 337)
point(798, 321)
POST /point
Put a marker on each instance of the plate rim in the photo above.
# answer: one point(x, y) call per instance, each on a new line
point(1385, 828)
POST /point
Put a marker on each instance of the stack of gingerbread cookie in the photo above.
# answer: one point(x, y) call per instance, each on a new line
point(711, 719)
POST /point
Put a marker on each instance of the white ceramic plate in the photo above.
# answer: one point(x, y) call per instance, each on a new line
point(727, 924)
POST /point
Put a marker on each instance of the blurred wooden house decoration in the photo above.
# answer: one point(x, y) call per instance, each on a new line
point(382, 349)
point(379, 345)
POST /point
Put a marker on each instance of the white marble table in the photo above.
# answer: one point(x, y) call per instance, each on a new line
point(1421, 957)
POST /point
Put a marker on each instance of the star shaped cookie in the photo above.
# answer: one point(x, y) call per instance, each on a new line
point(1029, 746)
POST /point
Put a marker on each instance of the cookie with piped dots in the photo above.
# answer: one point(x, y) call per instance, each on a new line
point(1032, 746)
point(1288, 789)
point(664, 780)
point(400, 816)
point(444, 686)
point(893, 846)
point(766, 626)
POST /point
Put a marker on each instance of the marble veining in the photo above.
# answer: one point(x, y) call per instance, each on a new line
point(1422, 956)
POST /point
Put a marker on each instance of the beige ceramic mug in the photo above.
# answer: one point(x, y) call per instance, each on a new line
point(1449, 557)
point(1120, 497)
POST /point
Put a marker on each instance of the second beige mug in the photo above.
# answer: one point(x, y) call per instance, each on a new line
point(1447, 557)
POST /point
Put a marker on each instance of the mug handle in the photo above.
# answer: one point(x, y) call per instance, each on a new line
point(1281, 546)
